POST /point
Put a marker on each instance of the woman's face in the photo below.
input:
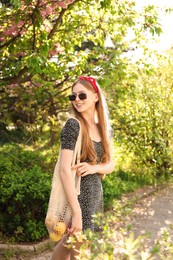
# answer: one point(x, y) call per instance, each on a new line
point(87, 104)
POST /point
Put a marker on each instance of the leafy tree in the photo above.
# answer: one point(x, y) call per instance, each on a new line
point(45, 45)
point(143, 117)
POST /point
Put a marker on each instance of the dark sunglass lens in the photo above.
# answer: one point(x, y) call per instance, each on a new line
point(72, 97)
point(82, 96)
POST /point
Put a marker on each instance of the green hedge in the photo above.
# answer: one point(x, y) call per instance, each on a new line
point(120, 182)
point(24, 193)
point(25, 183)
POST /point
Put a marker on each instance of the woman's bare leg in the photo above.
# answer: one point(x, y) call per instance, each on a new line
point(61, 252)
point(75, 253)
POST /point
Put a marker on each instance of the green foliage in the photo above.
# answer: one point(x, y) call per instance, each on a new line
point(44, 47)
point(8, 254)
point(115, 241)
point(143, 121)
point(165, 243)
point(120, 182)
point(24, 189)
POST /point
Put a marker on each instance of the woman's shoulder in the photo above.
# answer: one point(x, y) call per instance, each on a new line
point(70, 133)
point(72, 122)
point(71, 127)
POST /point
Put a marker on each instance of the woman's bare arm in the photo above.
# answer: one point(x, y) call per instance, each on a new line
point(69, 188)
point(105, 168)
point(84, 168)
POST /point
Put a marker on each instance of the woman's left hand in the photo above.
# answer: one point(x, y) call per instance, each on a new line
point(84, 169)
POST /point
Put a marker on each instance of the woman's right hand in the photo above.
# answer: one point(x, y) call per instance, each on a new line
point(76, 225)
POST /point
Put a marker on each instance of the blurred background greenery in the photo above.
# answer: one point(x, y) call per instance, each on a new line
point(43, 50)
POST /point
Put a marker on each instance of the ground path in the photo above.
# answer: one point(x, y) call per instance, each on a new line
point(152, 211)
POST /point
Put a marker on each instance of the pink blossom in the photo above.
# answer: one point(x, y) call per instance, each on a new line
point(23, 32)
point(42, 3)
point(52, 52)
point(20, 54)
point(70, 1)
point(20, 23)
point(28, 91)
point(11, 31)
point(56, 49)
point(23, 7)
point(62, 5)
point(2, 39)
point(47, 28)
point(56, 45)
point(49, 10)
point(38, 84)
point(43, 13)
point(11, 86)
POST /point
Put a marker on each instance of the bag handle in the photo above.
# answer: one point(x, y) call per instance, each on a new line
point(77, 150)
point(76, 156)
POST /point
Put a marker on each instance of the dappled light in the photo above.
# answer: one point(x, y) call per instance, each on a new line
point(45, 45)
point(153, 214)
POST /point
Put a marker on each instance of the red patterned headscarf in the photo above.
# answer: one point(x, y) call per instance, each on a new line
point(91, 80)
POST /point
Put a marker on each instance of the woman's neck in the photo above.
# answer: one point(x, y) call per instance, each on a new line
point(89, 117)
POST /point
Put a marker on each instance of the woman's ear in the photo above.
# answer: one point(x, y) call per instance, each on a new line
point(96, 97)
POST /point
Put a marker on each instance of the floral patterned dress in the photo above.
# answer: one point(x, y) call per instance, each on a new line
point(91, 193)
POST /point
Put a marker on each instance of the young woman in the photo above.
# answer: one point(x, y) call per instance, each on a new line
point(89, 108)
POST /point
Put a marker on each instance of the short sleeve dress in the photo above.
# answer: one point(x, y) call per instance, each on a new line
point(91, 192)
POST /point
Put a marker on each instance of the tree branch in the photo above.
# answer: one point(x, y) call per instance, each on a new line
point(59, 19)
point(18, 78)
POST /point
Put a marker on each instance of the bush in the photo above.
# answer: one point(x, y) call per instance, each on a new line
point(25, 184)
point(24, 193)
point(116, 184)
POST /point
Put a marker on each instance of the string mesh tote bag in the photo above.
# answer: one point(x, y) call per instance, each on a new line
point(59, 213)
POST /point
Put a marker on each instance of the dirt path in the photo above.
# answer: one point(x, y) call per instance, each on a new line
point(153, 214)
point(44, 256)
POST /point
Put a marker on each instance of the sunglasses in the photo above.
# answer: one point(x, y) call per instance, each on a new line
point(81, 96)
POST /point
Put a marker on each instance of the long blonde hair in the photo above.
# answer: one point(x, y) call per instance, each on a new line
point(88, 151)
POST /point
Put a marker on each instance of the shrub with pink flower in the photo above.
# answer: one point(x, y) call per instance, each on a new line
point(56, 49)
